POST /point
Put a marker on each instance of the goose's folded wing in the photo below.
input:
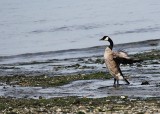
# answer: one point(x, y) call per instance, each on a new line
point(123, 58)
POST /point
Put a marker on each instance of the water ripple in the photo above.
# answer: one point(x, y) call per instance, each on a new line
point(140, 30)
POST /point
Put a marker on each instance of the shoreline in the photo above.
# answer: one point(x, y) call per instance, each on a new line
point(63, 62)
point(144, 43)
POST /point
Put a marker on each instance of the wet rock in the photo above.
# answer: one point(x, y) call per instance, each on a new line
point(58, 110)
point(81, 112)
point(10, 108)
point(158, 85)
point(80, 59)
point(139, 65)
point(86, 67)
point(123, 97)
point(26, 96)
point(40, 97)
point(145, 83)
point(73, 66)
point(99, 61)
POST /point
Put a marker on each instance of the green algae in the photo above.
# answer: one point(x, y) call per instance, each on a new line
point(46, 81)
point(152, 55)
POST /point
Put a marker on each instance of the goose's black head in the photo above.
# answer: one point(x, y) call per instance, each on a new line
point(107, 38)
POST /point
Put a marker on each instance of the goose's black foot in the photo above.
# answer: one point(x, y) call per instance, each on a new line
point(116, 84)
point(115, 81)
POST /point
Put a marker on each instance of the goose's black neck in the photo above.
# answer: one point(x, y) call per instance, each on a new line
point(111, 43)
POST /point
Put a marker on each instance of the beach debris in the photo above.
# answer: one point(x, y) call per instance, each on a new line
point(123, 97)
point(145, 82)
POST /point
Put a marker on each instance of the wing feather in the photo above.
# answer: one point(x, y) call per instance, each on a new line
point(123, 58)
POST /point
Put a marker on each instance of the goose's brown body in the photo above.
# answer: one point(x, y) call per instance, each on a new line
point(114, 59)
point(111, 64)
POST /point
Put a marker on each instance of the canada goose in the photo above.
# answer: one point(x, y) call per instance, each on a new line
point(114, 59)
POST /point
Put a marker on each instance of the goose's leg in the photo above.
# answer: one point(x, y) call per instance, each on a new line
point(115, 81)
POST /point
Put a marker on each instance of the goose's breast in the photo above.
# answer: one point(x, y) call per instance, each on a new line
point(111, 64)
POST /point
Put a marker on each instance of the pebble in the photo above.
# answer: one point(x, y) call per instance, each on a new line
point(145, 83)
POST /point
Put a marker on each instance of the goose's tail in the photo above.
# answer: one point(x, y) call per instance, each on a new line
point(126, 81)
point(121, 77)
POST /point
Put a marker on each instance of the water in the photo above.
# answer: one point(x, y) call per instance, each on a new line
point(41, 35)
point(50, 25)
point(97, 88)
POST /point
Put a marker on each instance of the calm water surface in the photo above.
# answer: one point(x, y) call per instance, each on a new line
point(32, 26)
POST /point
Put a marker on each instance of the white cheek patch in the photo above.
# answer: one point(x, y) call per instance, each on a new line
point(106, 39)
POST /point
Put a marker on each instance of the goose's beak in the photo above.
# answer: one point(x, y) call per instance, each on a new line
point(101, 39)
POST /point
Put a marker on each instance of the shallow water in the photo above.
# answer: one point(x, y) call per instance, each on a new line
point(147, 71)
point(97, 88)
point(41, 26)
